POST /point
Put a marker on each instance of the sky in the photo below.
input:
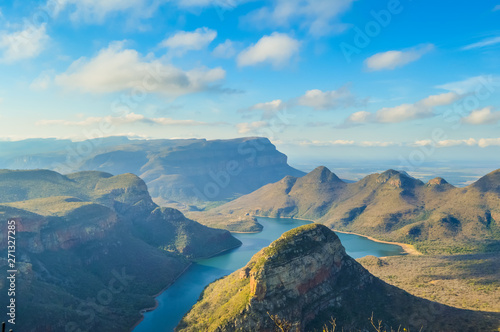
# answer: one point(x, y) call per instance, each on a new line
point(406, 80)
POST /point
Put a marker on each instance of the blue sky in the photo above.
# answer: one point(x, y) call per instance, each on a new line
point(355, 79)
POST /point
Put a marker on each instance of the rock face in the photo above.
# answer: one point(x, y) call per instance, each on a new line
point(305, 278)
point(190, 171)
point(391, 205)
point(76, 233)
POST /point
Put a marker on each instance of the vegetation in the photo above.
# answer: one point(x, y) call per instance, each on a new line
point(436, 217)
point(263, 295)
point(225, 300)
point(93, 249)
point(461, 281)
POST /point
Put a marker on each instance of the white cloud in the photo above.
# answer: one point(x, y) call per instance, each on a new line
point(314, 99)
point(190, 40)
point(482, 116)
point(277, 49)
point(319, 17)
point(130, 118)
point(405, 112)
point(424, 142)
point(439, 100)
point(481, 142)
point(497, 7)
point(402, 113)
point(118, 69)
point(483, 43)
point(486, 142)
point(360, 117)
point(455, 142)
point(42, 82)
point(268, 109)
point(370, 144)
point(248, 127)
point(225, 50)
point(23, 44)
point(324, 100)
point(341, 142)
point(393, 59)
point(472, 84)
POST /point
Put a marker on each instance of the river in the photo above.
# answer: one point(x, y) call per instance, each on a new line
point(176, 301)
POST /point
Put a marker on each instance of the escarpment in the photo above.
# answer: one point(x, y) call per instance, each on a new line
point(305, 279)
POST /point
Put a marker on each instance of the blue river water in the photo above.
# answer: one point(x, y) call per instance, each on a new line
point(176, 301)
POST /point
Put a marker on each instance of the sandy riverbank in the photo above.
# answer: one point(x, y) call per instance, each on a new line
point(408, 248)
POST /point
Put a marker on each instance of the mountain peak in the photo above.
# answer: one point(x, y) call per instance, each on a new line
point(489, 182)
point(305, 278)
point(322, 174)
point(437, 182)
point(301, 241)
point(397, 179)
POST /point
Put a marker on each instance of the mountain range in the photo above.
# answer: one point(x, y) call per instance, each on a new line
point(390, 205)
point(93, 249)
point(304, 281)
point(177, 171)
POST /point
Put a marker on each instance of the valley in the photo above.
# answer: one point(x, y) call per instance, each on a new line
point(176, 301)
point(81, 232)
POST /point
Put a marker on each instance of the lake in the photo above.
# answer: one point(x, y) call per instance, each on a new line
point(176, 301)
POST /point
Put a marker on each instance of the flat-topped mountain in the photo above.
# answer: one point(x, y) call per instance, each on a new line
point(390, 205)
point(304, 280)
point(189, 171)
point(77, 234)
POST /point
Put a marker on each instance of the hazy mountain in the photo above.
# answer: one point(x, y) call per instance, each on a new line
point(93, 249)
point(389, 205)
point(305, 279)
point(186, 171)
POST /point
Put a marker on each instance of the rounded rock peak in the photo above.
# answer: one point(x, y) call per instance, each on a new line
point(322, 174)
point(437, 182)
point(304, 239)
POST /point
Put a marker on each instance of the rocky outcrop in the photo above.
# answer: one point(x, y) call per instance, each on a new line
point(305, 279)
point(37, 233)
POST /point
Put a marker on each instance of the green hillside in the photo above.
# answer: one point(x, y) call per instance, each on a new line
point(78, 233)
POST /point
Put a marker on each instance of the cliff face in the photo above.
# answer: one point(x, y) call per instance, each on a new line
point(190, 171)
point(208, 170)
point(38, 233)
point(297, 278)
point(69, 248)
point(305, 278)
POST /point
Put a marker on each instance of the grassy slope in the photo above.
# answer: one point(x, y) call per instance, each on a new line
point(390, 206)
point(462, 281)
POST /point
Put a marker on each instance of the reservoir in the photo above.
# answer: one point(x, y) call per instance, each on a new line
point(176, 301)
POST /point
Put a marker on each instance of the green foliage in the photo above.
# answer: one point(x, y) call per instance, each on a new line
point(76, 232)
point(226, 298)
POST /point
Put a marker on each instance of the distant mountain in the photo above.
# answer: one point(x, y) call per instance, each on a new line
point(187, 171)
point(304, 280)
point(390, 205)
point(93, 249)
